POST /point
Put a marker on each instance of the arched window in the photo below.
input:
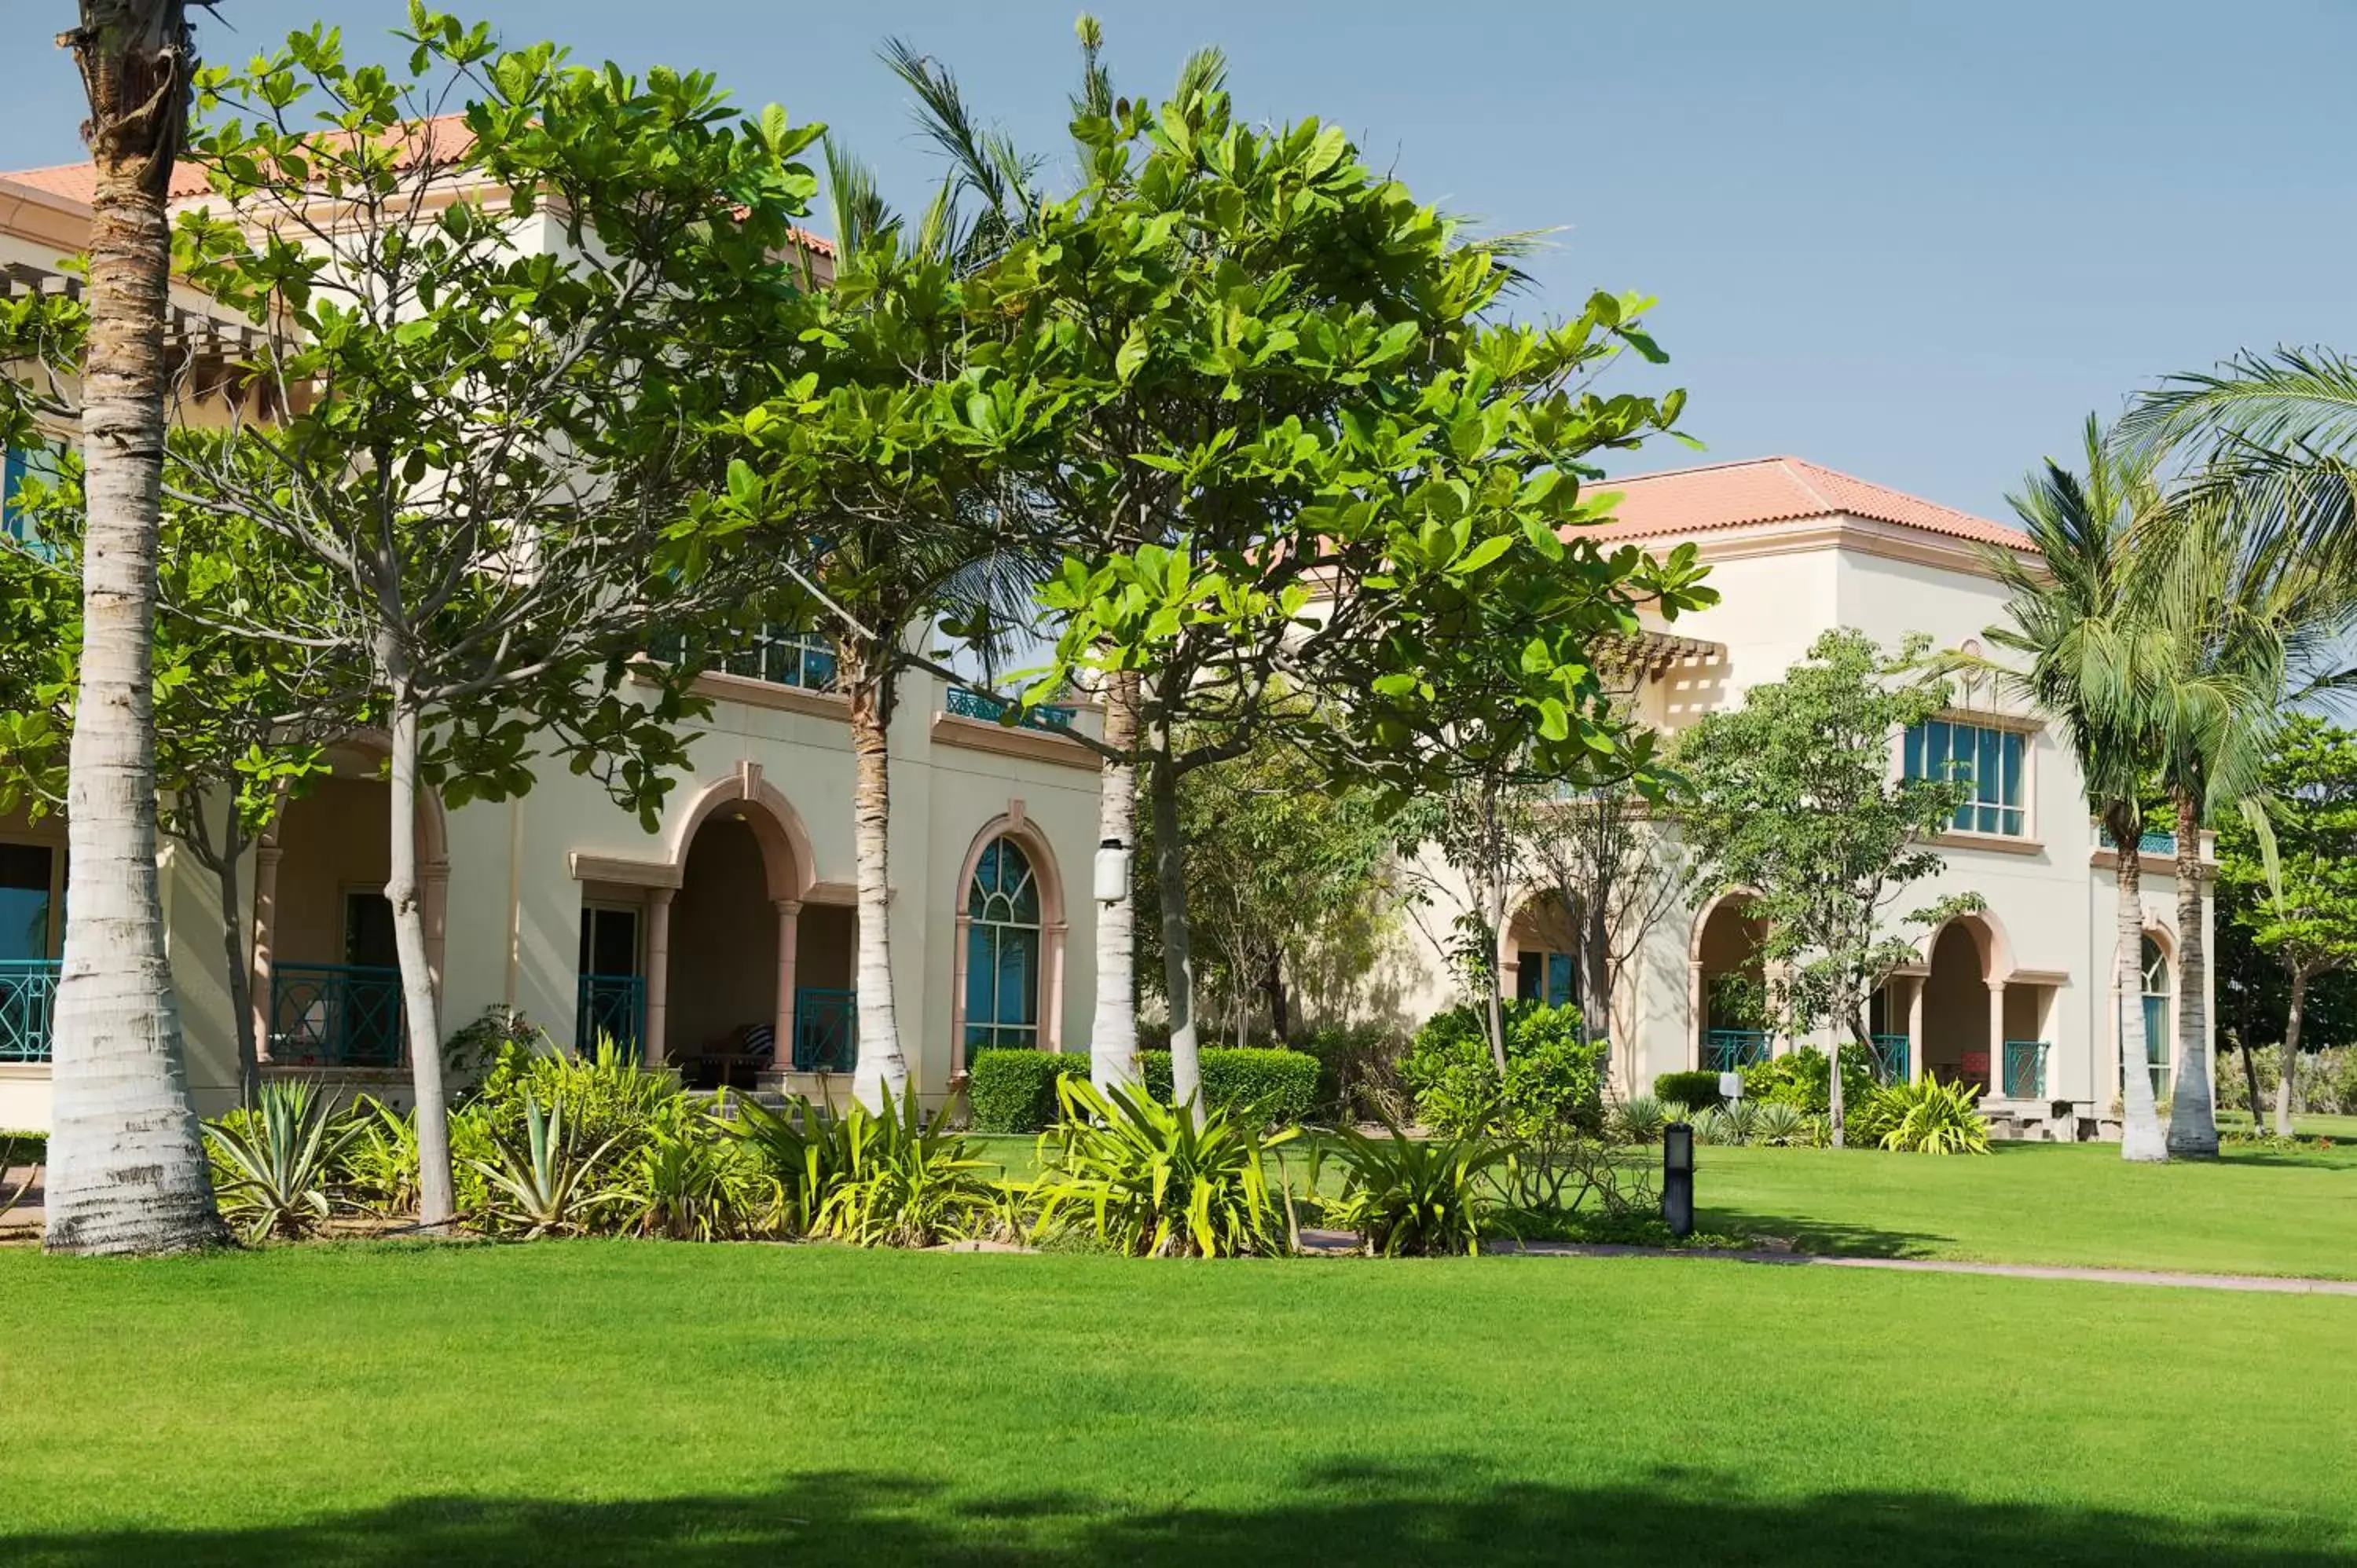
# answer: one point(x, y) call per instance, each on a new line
point(1002, 954)
point(2158, 1036)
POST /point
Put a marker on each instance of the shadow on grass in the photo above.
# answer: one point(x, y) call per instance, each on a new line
point(1356, 1514)
point(1815, 1233)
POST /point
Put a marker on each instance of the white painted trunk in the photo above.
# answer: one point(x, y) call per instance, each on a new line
point(2140, 1134)
point(1178, 948)
point(436, 1202)
point(2192, 1119)
point(882, 1075)
point(127, 1169)
point(1113, 1034)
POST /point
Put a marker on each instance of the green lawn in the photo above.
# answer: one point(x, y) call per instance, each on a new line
point(607, 1403)
point(2253, 1211)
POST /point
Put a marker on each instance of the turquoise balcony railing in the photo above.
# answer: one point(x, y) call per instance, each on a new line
point(613, 1005)
point(335, 1015)
point(2025, 1070)
point(826, 1029)
point(969, 704)
point(28, 1001)
point(1889, 1057)
point(1725, 1050)
point(2155, 841)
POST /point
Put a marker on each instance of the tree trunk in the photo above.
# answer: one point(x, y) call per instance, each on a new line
point(2140, 1134)
point(2250, 1081)
point(2285, 1078)
point(127, 1168)
point(1177, 951)
point(1280, 1007)
point(436, 1200)
point(882, 1075)
point(237, 953)
point(1113, 1034)
point(2192, 1119)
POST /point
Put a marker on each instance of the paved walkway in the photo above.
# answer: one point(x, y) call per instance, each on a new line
point(2269, 1283)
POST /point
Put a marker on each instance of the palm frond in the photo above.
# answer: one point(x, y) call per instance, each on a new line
point(2289, 400)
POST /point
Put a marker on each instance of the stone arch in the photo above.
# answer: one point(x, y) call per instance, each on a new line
point(1725, 938)
point(1048, 875)
point(1990, 941)
point(789, 865)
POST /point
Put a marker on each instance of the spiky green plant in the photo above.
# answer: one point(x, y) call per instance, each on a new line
point(274, 1164)
point(1157, 1180)
point(1417, 1196)
point(806, 1152)
point(1639, 1119)
point(692, 1183)
point(1781, 1125)
point(907, 1180)
point(1936, 1118)
point(378, 1169)
point(548, 1188)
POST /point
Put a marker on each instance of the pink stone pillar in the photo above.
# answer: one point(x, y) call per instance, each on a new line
point(1915, 1027)
point(265, 935)
point(1996, 1038)
point(790, 930)
point(658, 1045)
point(1697, 1018)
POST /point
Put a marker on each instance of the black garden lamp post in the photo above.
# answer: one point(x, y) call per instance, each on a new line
point(1677, 1179)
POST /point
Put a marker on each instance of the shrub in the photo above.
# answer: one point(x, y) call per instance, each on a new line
point(1013, 1090)
point(1276, 1089)
point(1560, 1171)
point(1935, 1118)
point(905, 1179)
point(1416, 1196)
point(1697, 1091)
point(378, 1169)
point(613, 1106)
point(692, 1183)
point(1555, 1075)
point(1358, 1074)
point(272, 1164)
point(1155, 1180)
point(28, 1150)
point(1638, 1121)
point(546, 1188)
point(1782, 1125)
point(805, 1152)
point(1865, 1123)
point(1799, 1079)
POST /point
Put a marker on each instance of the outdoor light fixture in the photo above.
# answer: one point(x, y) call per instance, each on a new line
point(1112, 871)
point(1677, 1179)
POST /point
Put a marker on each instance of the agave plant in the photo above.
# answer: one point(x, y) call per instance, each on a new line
point(546, 1190)
point(1640, 1120)
point(1159, 1180)
point(273, 1163)
point(1416, 1196)
point(1781, 1125)
point(1936, 1118)
point(906, 1179)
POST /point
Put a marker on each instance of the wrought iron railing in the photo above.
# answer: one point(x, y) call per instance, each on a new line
point(29, 1003)
point(335, 1015)
point(826, 1029)
point(1890, 1062)
point(969, 704)
point(2025, 1070)
point(1725, 1050)
point(2155, 841)
point(612, 1005)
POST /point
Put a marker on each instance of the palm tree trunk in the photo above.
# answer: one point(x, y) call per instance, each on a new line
point(126, 1165)
point(2140, 1134)
point(2192, 1119)
point(882, 1076)
point(1113, 1034)
point(1177, 948)
point(2289, 1075)
point(437, 1200)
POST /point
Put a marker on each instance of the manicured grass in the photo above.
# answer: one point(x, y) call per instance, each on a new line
point(607, 1403)
point(2252, 1212)
point(2306, 1123)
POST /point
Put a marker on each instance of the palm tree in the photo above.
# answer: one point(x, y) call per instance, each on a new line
point(2279, 428)
point(127, 1171)
point(2088, 658)
point(2251, 618)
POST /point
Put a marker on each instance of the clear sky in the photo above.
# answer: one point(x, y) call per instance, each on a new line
point(1919, 241)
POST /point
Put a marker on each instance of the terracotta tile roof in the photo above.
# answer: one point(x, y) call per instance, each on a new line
point(445, 136)
point(1778, 490)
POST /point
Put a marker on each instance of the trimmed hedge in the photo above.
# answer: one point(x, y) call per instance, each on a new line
point(1009, 1089)
point(1014, 1090)
point(1282, 1084)
point(1694, 1091)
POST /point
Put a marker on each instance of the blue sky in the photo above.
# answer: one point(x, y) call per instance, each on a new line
point(1916, 241)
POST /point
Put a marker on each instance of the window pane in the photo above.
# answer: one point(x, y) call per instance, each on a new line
point(1913, 765)
point(1530, 974)
point(1987, 774)
point(2014, 745)
point(1018, 990)
point(1558, 979)
point(980, 972)
point(24, 901)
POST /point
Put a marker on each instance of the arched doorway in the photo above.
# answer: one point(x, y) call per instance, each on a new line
point(1729, 1000)
point(326, 977)
point(1955, 1009)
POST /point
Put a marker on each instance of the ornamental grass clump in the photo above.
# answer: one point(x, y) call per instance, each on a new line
point(1934, 1118)
point(1417, 1196)
point(904, 1180)
point(1155, 1180)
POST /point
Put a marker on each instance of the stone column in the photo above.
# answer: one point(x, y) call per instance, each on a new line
point(1996, 1038)
point(657, 1048)
point(1697, 1018)
point(1051, 987)
point(265, 933)
point(789, 932)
